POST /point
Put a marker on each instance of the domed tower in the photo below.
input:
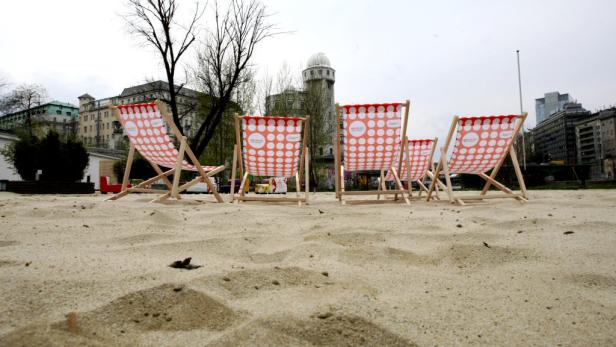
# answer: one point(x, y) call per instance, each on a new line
point(319, 78)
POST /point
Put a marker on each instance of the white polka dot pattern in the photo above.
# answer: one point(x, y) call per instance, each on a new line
point(481, 142)
point(146, 130)
point(420, 153)
point(271, 145)
point(371, 135)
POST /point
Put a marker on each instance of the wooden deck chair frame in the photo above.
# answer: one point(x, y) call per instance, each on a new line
point(173, 187)
point(421, 181)
point(339, 167)
point(304, 166)
point(490, 180)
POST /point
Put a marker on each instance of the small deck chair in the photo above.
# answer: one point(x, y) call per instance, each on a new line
point(144, 124)
point(274, 147)
point(482, 144)
point(420, 165)
point(369, 140)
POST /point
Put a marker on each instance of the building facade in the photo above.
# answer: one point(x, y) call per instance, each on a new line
point(99, 128)
point(315, 99)
point(550, 104)
point(554, 138)
point(596, 143)
point(58, 116)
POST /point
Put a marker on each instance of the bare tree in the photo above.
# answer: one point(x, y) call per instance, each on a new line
point(24, 98)
point(224, 62)
point(154, 21)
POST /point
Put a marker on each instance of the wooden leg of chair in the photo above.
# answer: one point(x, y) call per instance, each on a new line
point(518, 172)
point(447, 178)
point(241, 192)
point(178, 170)
point(400, 187)
point(434, 179)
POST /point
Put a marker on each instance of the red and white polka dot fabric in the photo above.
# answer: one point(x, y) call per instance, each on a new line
point(481, 142)
point(371, 135)
point(146, 129)
point(420, 153)
point(271, 145)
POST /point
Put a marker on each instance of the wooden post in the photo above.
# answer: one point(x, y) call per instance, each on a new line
point(238, 139)
point(307, 175)
point(381, 180)
point(405, 124)
point(408, 167)
point(233, 173)
point(337, 154)
point(341, 184)
point(297, 188)
point(241, 192)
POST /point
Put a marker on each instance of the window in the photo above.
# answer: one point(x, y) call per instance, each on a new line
point(58, 112)
point(320, 150)
point(68, 113)
point(85, 129)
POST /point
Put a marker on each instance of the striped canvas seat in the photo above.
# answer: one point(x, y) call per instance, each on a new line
point(368, 139)
point(481, 145)
point(147, 126)
point(274, 147)
point(371, 135)
point(481, 142)
point(146, 130)
point(271, 145)
point(420, 153)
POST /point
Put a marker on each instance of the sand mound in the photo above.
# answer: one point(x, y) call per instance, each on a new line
point(246, 283)
point(165, 307)
point(333, 331)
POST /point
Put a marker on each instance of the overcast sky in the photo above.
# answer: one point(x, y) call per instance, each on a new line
point(448, 57)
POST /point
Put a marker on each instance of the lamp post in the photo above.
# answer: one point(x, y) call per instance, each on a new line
point(521, 111)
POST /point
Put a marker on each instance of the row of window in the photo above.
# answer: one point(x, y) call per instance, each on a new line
point(103, 127)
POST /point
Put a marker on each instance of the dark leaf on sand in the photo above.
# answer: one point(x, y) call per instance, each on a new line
point(184, 264)
point(569, 232)
point(486, 244)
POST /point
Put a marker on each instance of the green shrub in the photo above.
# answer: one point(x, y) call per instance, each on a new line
point(58, 161)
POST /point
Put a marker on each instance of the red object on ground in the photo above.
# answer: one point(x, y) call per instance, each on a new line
point(105, 187)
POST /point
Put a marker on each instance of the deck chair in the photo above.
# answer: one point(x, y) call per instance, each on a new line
point(274, 147)
point(368, 139)
point(144, 124)
point(417, 169)
point(482, 144)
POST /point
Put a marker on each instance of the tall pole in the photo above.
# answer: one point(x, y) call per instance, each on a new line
point(521, 111)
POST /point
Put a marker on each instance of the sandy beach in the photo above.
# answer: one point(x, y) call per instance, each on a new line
point(432, 274)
